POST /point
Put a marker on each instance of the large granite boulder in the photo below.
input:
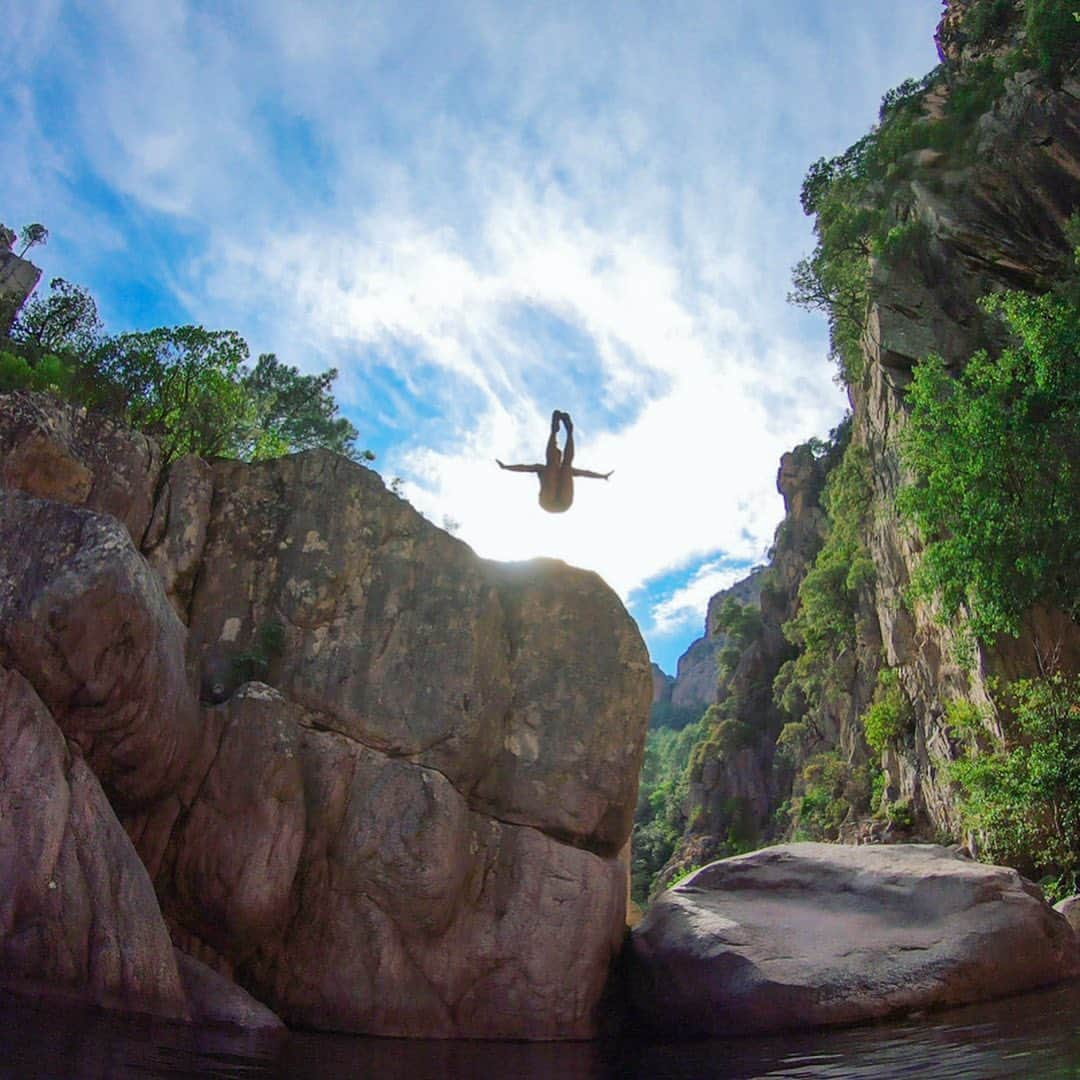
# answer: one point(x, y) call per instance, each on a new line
point(74, 456)
point(85, 620)
point(524, 684)
point(78, 915)
point(809, 934)
point(414, 822)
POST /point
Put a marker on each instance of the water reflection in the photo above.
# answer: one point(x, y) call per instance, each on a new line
point(1035, 1036)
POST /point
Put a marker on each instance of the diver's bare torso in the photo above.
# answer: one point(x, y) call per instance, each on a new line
point(557, 472)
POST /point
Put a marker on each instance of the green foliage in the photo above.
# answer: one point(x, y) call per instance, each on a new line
point(987, 18)
point(187, 386)
point(1051, 33)
point(266, 646)
point(293, 412)
point(877, 788)
point(900, 814)
point(722, 734)
point(964, 718)
point(660, 815)
point(994, 452)
point(50, 374)
point(741, 623)
point(727, 660)
point(972, 96)
point(889, 716)
point(180, 384)
point(665, 715)
point(64, 323)
point(1022, 799)
point(824, 628)
point(831, 789)
point(856, 198)
point(834, 279)
point(793, 744)
point(682, 875)
point(31, 236)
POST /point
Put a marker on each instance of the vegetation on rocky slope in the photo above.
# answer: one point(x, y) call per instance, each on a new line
point(994, 451)
point(859, 201)
point(1020, 796)
point(977, 502)
point(189, 387)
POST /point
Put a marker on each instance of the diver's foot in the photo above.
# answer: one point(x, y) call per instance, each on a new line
point(567, 423)
point(556, 416)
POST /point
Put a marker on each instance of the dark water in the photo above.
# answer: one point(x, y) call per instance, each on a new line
point(1034, 1036)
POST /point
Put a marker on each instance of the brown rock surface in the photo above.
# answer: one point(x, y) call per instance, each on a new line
point(65, 453)
point(431, 919)
point(236, 848)
point(174, 540)
point(214, 999)
point(78, 915)
point(85, 621)
point(809, 934)
point(661, 682)
point(402, 639)
point(1070, 908)
point(416, 830)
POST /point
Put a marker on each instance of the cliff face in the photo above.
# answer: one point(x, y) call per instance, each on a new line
point(696, 684)
point(380, 783)
point(994, 221)
point(18, 279)
point(983, 215)
point(735, 782)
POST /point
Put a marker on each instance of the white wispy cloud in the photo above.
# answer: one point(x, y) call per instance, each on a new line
point(481, 213)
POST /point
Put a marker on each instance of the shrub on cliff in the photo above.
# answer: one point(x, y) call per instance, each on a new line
point(187, 386)
point(64, 324)
point(857, 199)
point(995, 453)
point(660, 815)
point(1021, 799)
point(824, 628)
point(889, 716)
point(828, 791)
point(1051, 33)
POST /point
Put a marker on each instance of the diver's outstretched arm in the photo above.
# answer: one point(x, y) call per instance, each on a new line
point(592, 475)
point(520, 468)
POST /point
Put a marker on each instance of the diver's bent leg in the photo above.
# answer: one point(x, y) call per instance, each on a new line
point(551, 455)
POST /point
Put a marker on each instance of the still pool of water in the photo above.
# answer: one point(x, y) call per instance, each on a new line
point(1035, 1036)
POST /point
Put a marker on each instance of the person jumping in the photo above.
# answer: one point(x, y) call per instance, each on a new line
point(558, 472)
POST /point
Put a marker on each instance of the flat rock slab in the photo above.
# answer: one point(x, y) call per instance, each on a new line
point(803, 935)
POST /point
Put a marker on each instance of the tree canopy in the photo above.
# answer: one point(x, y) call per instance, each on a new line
point(995, 456)
point(191, 388)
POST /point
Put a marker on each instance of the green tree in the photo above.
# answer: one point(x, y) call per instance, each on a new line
point(889, 716)
point(1022, 799)
point(660, 815)
point(740, 622)
point(64, 324)
point(995, 452)
point(31, 236)
point(187, 386)
point(293, 412)
point(180, 384)
point(1051, 33)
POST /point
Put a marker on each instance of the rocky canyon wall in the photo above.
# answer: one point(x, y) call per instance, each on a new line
point(381, 784)
point(983, 211)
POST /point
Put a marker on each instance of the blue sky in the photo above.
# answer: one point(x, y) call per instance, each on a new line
point(480, 212)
